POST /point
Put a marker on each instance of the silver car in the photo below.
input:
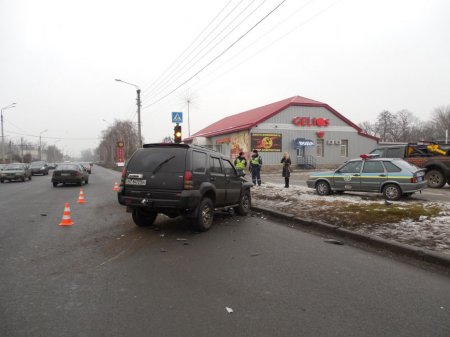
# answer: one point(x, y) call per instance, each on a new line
point(393, 177)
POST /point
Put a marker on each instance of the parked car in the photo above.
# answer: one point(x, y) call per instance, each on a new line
point(16, 171)
point(39, 167)
point(2, 166)
point(181, 179)
point(87, 166)
point(69, 173)
point(393, 177)
point(51, 166)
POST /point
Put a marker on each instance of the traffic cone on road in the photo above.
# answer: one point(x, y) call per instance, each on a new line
point(116, 186)
point(81, 199)
point(66, 219)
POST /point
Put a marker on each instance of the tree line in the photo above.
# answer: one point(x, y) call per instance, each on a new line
point(120, 131)
point(404, 126)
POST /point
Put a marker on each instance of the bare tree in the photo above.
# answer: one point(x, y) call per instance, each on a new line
point(125, 131)
point(441, 121)
point(385, 126)
point(368, 128)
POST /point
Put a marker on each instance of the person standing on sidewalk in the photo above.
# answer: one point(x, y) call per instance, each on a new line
point(240, 162)
point(286, 173)
point(255, 167)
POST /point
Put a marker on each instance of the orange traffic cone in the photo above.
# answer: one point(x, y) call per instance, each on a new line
point(66, 219)
point(116, 186)
point(81, 199)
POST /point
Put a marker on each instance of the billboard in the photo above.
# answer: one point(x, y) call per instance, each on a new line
point(120, 152)
point(266, 142)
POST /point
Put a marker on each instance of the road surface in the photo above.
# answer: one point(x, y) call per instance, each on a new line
point(104, 276)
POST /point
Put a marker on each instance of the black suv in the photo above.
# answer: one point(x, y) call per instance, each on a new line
point(181, 179)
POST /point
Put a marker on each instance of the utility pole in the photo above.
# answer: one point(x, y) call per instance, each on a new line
point(13, 105)
point(138, 103)
point(138, 91)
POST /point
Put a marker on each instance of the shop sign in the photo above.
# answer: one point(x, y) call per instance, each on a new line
point(266, 142)
point(308, 121)
point(223, 140)
point(300, 142)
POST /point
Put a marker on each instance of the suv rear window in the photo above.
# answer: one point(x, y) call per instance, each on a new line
point(167, 159)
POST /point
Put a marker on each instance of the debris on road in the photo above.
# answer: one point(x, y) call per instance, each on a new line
point(181, 239)
point(162, 250)
point(333, 241)
point(229, 310)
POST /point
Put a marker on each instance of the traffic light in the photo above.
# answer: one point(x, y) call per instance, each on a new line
point(177, 133)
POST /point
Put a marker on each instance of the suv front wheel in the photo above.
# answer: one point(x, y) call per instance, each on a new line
point(143, 218)
point(205, 215)
point(245, 204)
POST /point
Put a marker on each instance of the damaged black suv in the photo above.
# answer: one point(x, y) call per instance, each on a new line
point(181, 179)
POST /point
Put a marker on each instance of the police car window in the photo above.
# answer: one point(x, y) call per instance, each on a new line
point(373, 167)
point(351, 167)
point(198, 162)
point(214, 165)
point(390, 167)
point(229, 169)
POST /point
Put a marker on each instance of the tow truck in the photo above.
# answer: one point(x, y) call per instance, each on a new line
point(432, 156)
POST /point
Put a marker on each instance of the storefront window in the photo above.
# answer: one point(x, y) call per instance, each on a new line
point(320, 148)
point(344, 148)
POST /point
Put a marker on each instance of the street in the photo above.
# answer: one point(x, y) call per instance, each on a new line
point(104, 276)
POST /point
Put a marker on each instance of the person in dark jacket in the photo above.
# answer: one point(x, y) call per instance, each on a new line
point(286, 173)
point(255, 167)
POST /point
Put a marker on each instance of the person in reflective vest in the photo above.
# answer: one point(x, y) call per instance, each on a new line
point(255, 167)
point(240, 162)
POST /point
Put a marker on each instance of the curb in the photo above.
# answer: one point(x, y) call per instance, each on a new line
point(392, 246)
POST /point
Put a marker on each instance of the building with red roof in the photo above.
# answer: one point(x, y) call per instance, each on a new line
point(312, 132)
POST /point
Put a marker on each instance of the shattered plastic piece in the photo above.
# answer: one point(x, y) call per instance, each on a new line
point(333, 241)
point(255, 254)
point(185, 243)
point(229, 310)
point(43, 214)
point(162, 235)
point(181, 239)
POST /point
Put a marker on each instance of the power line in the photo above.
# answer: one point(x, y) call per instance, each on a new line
point(190, 45)
point(215, 45)
point(218, 56)
point(270, 30)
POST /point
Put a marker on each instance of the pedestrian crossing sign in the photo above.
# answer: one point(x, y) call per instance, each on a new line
point(177, 117)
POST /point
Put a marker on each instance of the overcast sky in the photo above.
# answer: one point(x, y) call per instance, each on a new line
point(59, 59)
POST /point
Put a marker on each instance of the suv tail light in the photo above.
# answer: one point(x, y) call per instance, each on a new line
point(188, 183)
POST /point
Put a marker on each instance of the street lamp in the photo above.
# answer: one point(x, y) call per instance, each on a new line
point(12, 105)
point(40, 143)
point(138, 103)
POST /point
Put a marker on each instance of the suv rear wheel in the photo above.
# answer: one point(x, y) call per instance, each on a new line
point(205, 215)
point(244, 204)
point(143, 218)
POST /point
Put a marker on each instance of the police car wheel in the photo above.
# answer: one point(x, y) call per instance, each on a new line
point(392, 192)
point(323, 188)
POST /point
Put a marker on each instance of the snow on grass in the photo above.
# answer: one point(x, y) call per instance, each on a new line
point(418, 223)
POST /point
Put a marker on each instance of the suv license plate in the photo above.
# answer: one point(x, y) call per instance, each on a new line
point(135, 182)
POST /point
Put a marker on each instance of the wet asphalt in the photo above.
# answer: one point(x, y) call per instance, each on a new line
point(104, 276)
